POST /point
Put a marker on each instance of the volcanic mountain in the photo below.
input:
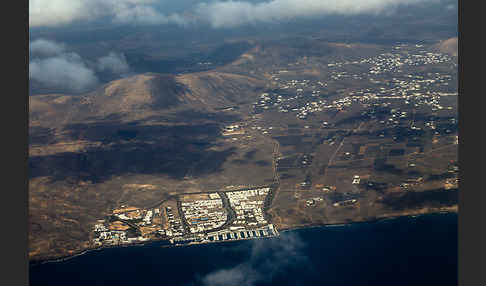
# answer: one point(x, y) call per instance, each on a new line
point(143, 96)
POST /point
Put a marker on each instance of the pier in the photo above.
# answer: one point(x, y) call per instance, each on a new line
point(226, 235)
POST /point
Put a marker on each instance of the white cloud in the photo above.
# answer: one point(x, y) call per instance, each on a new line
point(55, 12)
point(239, 275)
point(63, 12)
point(114, 63)
point(44, 47)
point(217, 13)
point(234, 13)
point(268, 258)
point(66, 71)
point(54, 66)
point(127, 12)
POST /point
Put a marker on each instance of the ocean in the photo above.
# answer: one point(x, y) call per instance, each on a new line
point(418, 250)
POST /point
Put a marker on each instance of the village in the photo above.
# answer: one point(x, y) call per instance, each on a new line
point(198, 218)
point(392, 90)
point(305, 97)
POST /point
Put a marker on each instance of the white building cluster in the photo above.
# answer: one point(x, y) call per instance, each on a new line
point(204, 215)
point(393, 62)
point(148, 218)
point(104, 235)
point(175, 224)
point(248, 205)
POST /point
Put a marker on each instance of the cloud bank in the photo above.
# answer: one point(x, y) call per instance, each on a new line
point(217, 13)
point(235, 13)
point(50, 13)
point(66, 71)
point(54, 66)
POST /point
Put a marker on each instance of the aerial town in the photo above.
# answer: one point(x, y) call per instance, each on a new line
point(198, 218)
point(331, 139)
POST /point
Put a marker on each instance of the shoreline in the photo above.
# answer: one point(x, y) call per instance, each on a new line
point(377, 220)
point(34, 263)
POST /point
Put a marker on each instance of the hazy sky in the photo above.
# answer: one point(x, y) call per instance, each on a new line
point(217, 13)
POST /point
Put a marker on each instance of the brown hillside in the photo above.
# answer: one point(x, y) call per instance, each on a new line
point(143, 96)
point(217, 89)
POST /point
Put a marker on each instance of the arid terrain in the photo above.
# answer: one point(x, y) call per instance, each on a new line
point(343, 132)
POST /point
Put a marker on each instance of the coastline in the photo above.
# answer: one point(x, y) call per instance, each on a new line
point(377, 220)
point(33, 263)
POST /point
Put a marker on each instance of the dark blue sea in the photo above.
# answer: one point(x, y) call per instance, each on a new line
point(403, 251)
